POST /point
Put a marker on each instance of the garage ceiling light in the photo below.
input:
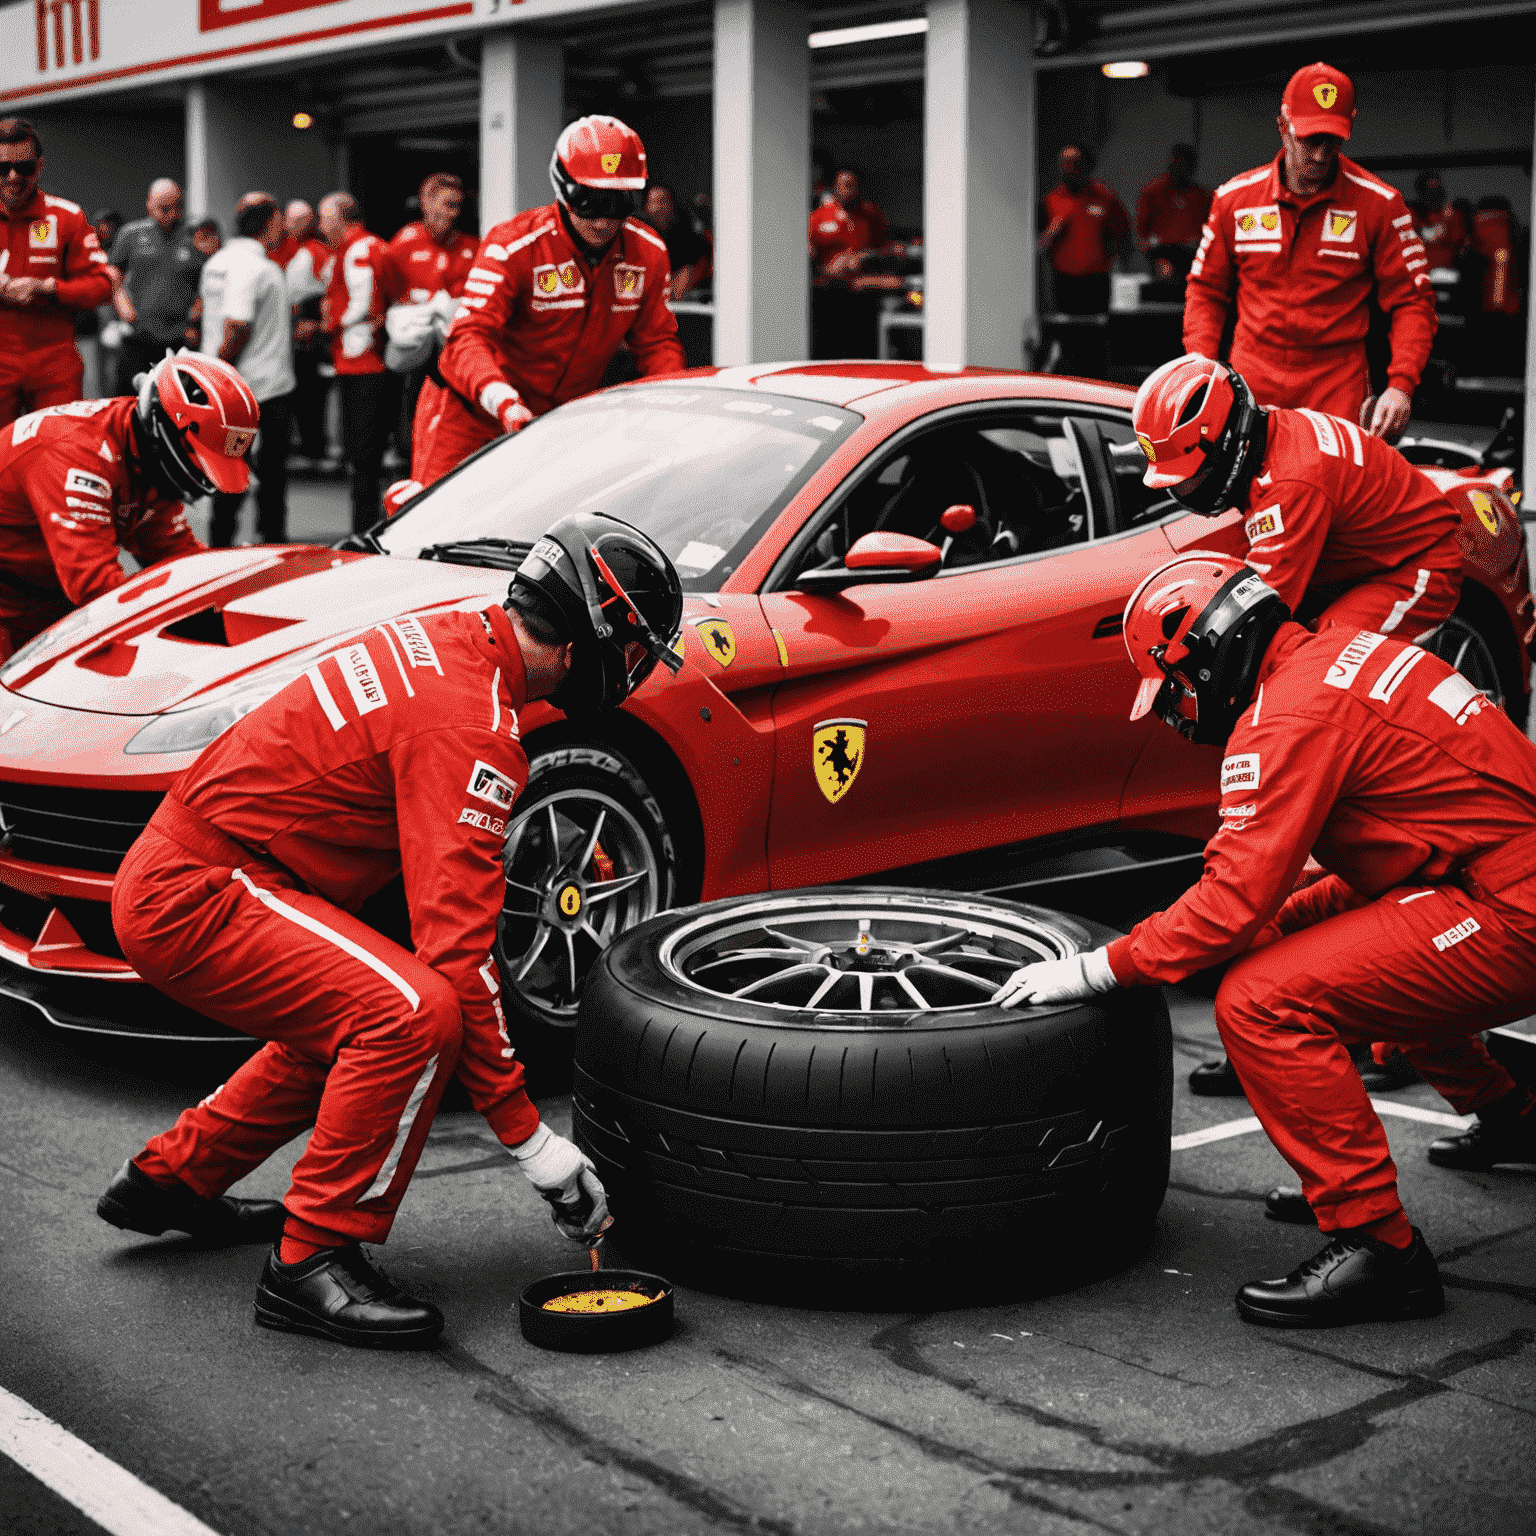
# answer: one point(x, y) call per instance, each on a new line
point(1126, 71)
point(840, 37)
point(303, 120)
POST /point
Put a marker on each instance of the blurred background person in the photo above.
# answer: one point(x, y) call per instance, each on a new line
point(845, 232)
point(1082, 227)
point(689, 248)
point(51, 269)
point(1170, 214)
point(1441, 226)
point(307, 277)
point(248, 323)
point(1496, 332)
point(207, 236)
point(160, 267)
point(352, 316)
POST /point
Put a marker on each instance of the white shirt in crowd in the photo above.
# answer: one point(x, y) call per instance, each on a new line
point(241, 283)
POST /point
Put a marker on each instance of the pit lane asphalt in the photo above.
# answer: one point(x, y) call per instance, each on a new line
point(1139, 1403)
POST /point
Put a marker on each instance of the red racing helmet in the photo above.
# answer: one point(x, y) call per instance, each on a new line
point(195, 423)
point(1196, 630)
point(598, 168)
point(1201, 432)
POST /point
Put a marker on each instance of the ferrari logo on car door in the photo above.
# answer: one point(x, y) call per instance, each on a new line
point(837, 754)
point(719, 639)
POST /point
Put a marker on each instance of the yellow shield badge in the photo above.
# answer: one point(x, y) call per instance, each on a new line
point(1325, 94)
point(837, 754)
point(1486, 512)
point(611, 164)
point(719, 640)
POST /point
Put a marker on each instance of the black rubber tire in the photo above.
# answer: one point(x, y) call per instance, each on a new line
point(543, 1040)
point(739, 1129)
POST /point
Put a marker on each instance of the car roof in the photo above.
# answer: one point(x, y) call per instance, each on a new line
point(847, 382)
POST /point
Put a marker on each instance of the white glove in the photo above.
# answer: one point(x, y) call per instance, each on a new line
point(506, 405)
point(565, 1177)
point(1057, 981)
point(410, 337)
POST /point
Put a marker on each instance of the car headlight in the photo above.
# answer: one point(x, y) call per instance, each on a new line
point(56, 635)
point(190, 730)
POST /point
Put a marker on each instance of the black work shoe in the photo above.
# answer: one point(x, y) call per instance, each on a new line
point(1385, 1076)
point(337, 1294)
point(135, 1203)
point(1289, 1205)
point(1486, 1142)
point(1355, 1279)
point(1216, 1080)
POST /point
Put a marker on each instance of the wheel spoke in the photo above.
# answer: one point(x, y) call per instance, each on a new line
point(570, 952)
point(767, 981)
point(809, 946)
point(736, 955)
point(591, 847)
point(833, 977)
point(904, 982)
point(979, 982)
point(616, 886)
point(534, 951)
point(866, 991)
point(553, 864)
point(938, 946)
point(593, 934)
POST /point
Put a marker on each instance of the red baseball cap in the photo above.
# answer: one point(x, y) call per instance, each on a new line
point(1320, 99)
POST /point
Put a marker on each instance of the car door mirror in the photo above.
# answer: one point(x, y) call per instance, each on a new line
point(876, 557)
point(960, 518)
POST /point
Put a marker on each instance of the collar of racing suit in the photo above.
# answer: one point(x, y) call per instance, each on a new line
point(591, 254)
point(33, 208)
point(497, 642)
point(1278, 192)
point(1287, 638)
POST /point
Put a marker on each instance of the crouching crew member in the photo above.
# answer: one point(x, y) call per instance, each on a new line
point(552, 296)
point(1338, 523)
point(79, 481)
point(1419, 798)
point(1298, 245)
point(397, 753)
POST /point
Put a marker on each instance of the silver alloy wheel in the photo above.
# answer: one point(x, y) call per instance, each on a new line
point(823, 952)
point(580, 871)
point(1459, 645)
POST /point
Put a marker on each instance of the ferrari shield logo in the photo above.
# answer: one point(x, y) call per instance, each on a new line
point(43, 235)
point(1259, 223)
point(628, 281)
point(1487, 513)
point(1245, 223)
point(611, 162)
point(1340, 224)
point(545, 279)
point(837, 754)
point(719, 639)
point(1147, 448)
point(1325, 94)
point(1270, 220)
point(568, 275)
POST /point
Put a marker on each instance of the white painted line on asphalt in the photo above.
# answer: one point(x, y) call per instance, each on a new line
point(1215, 1133)
point(1428, 1116)
point(116, 1500)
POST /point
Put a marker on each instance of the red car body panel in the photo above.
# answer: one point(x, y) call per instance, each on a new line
point(993, 699)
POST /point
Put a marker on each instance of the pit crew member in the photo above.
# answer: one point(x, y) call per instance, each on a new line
point(51, 266)
point(1330, 511)
point(79, 481)
point(553, 294)
point(1297, 245)
point(432, 253)
point(1419, 798)
point(1171, 213)
point(397, 753)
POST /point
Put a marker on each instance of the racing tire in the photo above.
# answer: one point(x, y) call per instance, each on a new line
point(1477, 641)
point(588, 855)
point(752, 1131)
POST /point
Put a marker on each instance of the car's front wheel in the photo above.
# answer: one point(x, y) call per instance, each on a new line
point(588, 856)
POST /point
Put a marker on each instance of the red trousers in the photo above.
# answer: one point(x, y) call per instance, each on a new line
point(1408, 602)
point(361, 1037)
point(1336, 381)
point(444, 432)
point(1423, 968)
point(31, 380)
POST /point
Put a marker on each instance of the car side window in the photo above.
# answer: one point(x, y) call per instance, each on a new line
point(1139, 504)
point(1018, 471)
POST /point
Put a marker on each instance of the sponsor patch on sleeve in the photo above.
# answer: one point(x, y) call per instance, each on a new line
point(1240, 773)
point(482, 819)
point(418, 647)
point(1265, 524)
point(362, 679)
point(488, 783)
point(1346, 668)
point(1458, 698)
point(84, 484)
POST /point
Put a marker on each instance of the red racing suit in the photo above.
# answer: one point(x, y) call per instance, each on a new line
point(39, 362)
point(419, 265)
point(1337, 511)
point(536, 315)
point(1420, 798)
point(1169, 214)
point(1092, 221)
point(833, 229)
point(397, 753)
point(71, 495)
point(1301, 272)
point(356, 292)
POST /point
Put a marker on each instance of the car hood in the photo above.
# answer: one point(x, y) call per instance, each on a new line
point(178, 631)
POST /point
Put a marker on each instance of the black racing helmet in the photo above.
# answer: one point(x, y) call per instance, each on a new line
point(607, 588)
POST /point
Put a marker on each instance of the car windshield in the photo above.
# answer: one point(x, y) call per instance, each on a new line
point(704, 471)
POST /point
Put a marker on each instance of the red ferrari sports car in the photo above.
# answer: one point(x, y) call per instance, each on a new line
point(902, 654)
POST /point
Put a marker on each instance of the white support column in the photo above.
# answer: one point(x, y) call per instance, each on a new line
point(195, 124)
point(762, 180)
point(979, 193)
point(522, 110)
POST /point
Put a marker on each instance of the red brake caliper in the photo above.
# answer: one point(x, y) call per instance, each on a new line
point(602, 865)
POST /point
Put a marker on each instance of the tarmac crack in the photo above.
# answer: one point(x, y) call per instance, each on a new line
point(518, 1400)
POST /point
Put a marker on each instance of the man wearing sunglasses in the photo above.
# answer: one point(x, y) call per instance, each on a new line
point(51, 264)
point(552, 296)
point(395, 753)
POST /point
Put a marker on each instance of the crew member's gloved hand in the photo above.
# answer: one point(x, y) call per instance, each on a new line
point(1057, 981)
point(565, 1177)
point(506, 405)
point(1388, 415)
